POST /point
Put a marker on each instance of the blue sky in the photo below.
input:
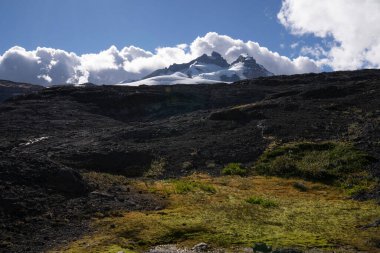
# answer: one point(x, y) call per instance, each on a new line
point(107, 41)
point(88, 26)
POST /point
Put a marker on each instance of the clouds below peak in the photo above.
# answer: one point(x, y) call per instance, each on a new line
point(231, 48)
point(49, 66)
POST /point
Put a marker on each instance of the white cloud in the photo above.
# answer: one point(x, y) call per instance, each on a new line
point(231, 48)
point(294, 45)
point(353, 25)
point(49, 66)
point(42, 66)
point(316, 52)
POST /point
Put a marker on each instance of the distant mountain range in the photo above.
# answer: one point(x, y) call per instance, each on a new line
point(202, 70)
point(205, 69)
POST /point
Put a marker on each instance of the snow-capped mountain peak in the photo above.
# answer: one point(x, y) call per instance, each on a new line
point(249, 67)
point(206, 69)
point(215, 59)
point(244, 58)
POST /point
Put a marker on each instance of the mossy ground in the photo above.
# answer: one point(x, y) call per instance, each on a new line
point(215, 210)
point(234, 169)
point(334, 162)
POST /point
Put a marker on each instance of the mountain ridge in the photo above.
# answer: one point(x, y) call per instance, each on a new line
point(9, 89)
point(205, 69)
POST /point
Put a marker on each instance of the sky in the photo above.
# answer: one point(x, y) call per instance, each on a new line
point(108, 41)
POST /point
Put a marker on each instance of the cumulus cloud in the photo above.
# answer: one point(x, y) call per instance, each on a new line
point(352, 25)
point(316, 51)
point(42, 66)
point(49, 66)
point(231, 49)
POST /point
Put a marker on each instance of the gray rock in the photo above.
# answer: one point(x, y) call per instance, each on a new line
point(201, 247)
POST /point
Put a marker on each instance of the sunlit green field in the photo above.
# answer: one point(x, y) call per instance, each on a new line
point(233, 212)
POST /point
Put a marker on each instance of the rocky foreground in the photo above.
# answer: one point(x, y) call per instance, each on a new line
point(51, 138)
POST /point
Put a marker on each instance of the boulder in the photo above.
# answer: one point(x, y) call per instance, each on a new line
point(261, 247)
point(201, 247)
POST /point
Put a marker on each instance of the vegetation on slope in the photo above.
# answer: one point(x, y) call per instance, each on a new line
point(234, 212)
point(338, 163)
point(234, 169)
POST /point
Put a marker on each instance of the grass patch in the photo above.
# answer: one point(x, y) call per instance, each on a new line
point(322, 217)
point(330, 162)
point(299, 186)
point(183, 186)
point(267, 203)
point(234, 169)
point(181, 233)
point(103, 181)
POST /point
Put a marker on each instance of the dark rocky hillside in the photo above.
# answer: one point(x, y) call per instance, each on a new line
point(49, 138)
point(9, 89)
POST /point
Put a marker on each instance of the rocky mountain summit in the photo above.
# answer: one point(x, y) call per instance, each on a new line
point(205, 69)
point(215, 59)
point(251, 68)
point(71, 159)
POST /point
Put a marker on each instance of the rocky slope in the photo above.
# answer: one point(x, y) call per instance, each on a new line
point(9, 89)
point(49, 139)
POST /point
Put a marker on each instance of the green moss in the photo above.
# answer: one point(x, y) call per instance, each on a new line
point(233, 218)
point(261, 201)
point(326, 161)
point(207, 188)
point(358, 183)
point(182, 233)
point(183, 186)
point(116, 248)
point(356, 190)
point(234, 169)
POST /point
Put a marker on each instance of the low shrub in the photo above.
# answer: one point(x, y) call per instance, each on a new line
point(326, 161)
point(182, 187)
point(357, 184)
point(234, 169)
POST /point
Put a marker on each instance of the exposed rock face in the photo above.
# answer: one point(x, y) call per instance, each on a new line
point(215, 59)
point(47, 139)
point(122, 129)
point(9, 89)
point(251, 68)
